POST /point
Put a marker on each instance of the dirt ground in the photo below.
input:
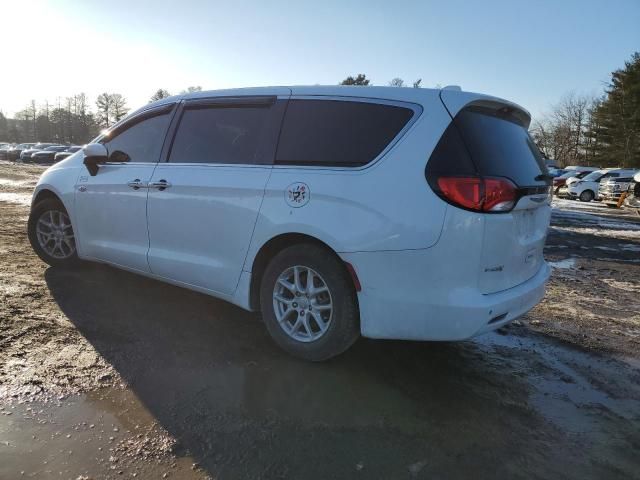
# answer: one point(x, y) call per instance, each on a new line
point(104, 374)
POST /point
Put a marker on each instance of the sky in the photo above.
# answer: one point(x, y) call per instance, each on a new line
point(530, 52)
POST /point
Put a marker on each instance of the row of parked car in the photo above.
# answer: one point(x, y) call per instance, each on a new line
point(611, 186)
point(36, 152)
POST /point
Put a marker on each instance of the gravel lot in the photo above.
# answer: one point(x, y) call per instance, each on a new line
point(104, 374)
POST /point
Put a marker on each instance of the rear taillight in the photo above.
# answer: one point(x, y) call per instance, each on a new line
point(479, 194)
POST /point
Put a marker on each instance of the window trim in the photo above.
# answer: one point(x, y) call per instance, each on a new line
point(248, 101)
point(168, 108)
point(417, 113)
point(130, 121)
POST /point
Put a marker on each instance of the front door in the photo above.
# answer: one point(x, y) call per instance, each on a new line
point(111, 207)
point(204, 201)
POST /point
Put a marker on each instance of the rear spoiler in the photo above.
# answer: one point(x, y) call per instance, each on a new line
point(455, 100)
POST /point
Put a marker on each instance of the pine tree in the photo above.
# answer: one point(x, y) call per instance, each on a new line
point(617, 118)
point(360, 79)
point(159, 95)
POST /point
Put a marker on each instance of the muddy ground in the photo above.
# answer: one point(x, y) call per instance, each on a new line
point(104, 374)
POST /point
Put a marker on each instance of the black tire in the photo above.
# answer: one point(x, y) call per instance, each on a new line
point(343, 329)
point(586, 196)
point(37, 211)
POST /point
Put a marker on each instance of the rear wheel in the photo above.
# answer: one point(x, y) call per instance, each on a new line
point(308, 303)
point(51, 234)
point(586, 196)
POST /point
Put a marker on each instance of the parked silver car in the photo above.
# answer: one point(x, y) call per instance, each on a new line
point(611, 189)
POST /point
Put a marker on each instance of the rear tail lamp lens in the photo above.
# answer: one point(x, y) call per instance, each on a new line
point(479, 194)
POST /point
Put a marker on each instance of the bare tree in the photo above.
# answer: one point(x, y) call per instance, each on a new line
point(104, 103)
point(120, 108)
point(396, 82)
point(417, 83)
point(563, 133)
point(111, 108)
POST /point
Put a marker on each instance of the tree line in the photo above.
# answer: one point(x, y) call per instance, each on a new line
point(596, 130)
point(70, 120)
point(579, 129)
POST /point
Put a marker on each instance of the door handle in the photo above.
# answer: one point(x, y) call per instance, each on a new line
point(160, 184)
point(136, 184)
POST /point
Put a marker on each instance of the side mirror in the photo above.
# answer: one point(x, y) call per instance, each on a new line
point(94, 155)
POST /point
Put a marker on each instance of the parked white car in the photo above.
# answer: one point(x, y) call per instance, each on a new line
point(573, 174)
point(335, 211)
point(586, 189)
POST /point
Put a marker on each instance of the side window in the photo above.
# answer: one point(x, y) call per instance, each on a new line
point(140, 141)
point(233, 134)
point(339, 133)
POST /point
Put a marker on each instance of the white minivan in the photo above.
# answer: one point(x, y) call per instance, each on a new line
point(392, 213)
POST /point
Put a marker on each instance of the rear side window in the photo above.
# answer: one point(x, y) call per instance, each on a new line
point(242, 134)
point(338, 133)
point(500, 145)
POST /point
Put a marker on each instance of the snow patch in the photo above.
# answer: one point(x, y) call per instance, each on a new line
point(626, 286)
point(631, 234)
point(563, 264)
point(19, 198)
point(16, 183)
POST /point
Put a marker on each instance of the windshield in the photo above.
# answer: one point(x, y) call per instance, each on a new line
point(594, 176)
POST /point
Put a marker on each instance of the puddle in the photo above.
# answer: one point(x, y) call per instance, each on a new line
point(100, 434)
point(566, 393)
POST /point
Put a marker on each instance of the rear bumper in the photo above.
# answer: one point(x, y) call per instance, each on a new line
point(404, 297)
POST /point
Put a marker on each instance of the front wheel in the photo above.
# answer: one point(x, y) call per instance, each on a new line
point(309, 303)
point(51, 234)
point(586, 196)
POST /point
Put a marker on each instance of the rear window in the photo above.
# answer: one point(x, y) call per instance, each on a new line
point(338, 133)
point(500, 145)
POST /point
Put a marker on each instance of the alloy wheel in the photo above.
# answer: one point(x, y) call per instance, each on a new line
point(302, 303)
point(55, 235)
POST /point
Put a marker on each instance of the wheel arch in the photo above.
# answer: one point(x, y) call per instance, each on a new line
point(275, 245)
point(45, 194)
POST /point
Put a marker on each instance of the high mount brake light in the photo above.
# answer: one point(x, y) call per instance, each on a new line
point(480, 194)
